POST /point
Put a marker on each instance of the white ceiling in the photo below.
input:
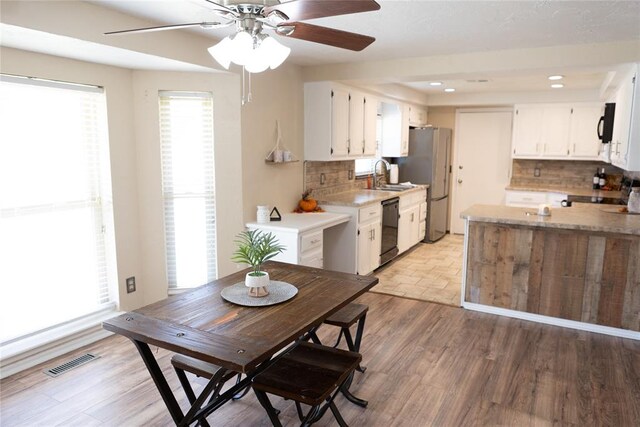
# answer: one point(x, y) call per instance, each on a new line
point(403, 29)
point(424, 28)
point(406, 29)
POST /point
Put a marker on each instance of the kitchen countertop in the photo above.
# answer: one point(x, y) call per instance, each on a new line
point(299, 223)
point(571, 191)
point(581, 216)
point(360, 198)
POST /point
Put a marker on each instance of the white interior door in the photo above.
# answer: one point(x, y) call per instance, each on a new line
point(482, 164)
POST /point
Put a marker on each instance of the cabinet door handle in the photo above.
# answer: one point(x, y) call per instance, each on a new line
point(412, 216)
point(314, 241)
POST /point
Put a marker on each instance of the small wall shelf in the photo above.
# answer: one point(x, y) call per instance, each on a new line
point(279, 153)
point(271, 162)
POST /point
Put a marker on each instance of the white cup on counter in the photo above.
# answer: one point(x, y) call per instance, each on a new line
point(544, 210)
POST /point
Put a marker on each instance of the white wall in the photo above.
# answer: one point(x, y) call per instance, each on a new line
point(277, 95)
point(228, 166)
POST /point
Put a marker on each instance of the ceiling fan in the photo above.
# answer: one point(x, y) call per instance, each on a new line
point(252, 48)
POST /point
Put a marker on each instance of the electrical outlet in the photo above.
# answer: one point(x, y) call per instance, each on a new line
point(350, 174)
point(322, 179)
point(536, 172)
point(131, 284)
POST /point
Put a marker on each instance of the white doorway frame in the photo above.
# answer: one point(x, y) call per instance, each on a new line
point(456, 155)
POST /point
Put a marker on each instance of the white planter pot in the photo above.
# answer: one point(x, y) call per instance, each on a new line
point(257, 284)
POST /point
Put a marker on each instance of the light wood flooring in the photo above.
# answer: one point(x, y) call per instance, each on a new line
point(428, 364)
point(427, 272)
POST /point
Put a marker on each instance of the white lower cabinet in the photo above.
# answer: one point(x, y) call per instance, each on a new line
point(358, 243)
point(369, 246)
point(411, 224)
point(307, 238)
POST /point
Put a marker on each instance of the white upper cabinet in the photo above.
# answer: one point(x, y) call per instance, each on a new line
point(395, 130)
point(583, 136)
point(340, 128)
point(370, 126)
point(337, 122)
point(625, 143)
point(556, 122)
point(556, 131)
point(526, 131)
point(356, 124)
point(417, 116)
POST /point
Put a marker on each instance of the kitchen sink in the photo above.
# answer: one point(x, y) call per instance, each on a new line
point(394, 187)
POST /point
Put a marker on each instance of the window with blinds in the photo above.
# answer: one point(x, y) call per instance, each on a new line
point(186, 137)
point(55, 205)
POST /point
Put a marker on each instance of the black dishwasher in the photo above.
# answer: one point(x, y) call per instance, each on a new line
point(389, 241)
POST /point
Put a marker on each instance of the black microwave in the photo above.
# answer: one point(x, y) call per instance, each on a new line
point(605, 124)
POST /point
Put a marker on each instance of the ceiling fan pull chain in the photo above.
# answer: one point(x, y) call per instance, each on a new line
point(243, 85)
point(249, 94)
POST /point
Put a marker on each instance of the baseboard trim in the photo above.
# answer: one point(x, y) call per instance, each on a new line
point(607, 330)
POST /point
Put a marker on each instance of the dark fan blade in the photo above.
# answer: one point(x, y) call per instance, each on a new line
point(324, 35)
point(301, 10)
point(168, 27)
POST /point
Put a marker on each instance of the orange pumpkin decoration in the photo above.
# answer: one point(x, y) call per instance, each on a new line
point(308, 204)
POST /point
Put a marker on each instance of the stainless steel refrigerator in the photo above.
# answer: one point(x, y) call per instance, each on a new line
point(429, 162)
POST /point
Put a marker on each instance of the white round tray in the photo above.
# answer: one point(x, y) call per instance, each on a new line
point(278, 292)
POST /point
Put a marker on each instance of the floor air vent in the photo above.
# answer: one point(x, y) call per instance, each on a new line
point(78, 361)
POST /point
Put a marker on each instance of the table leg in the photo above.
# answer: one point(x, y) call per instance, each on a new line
point(167, 395)
point(160, 381)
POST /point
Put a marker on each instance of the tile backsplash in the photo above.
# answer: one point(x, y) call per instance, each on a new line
point(566, 173)
point(336, 177)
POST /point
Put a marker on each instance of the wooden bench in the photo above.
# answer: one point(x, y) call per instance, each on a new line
point(344, 319)
point(311, 374)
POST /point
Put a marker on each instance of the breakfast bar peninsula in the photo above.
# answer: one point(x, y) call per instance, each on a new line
point(578, 267)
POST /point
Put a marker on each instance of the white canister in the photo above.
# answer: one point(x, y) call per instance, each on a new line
point(633, 205)
point(393, 174)
point(263, 214)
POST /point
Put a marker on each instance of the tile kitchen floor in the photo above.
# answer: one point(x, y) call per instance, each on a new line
point(428, 272)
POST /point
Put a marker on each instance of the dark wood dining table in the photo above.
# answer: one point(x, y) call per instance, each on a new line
point(201, 324)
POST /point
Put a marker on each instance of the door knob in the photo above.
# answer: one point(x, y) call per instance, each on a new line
point(460, 167)
point(459, 181)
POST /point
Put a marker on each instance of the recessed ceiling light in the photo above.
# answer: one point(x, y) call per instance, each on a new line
point(435, 84)
point(556, 77)
point(449, 89)
point(557, 85)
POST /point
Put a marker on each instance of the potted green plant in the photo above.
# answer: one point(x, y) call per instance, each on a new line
point(254, 249)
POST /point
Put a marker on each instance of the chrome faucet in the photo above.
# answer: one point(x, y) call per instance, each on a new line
point(376, 182)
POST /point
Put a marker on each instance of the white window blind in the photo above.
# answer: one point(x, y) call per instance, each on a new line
point(55, 205)
point(186, 137)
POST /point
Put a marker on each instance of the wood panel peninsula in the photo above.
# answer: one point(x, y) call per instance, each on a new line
point(578, 267)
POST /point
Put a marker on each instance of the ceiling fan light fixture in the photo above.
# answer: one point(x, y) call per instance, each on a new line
point(259, 60)
point(275, 53)
point(241, 48)
point(222, 52)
